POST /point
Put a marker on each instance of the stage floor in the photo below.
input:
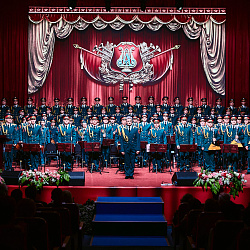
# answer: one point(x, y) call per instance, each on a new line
point(142, 177)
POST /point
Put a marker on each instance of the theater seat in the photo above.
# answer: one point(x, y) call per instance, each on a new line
point(37, 232)
point(224, 235)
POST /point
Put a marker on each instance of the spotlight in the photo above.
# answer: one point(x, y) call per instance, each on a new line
point(108, 5)
point(179, 4)
point(143, 4)
point(72, 4)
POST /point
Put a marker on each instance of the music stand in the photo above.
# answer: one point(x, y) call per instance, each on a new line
point(121, 164)
point(157, 148)
point(64, 148)
point(229, 148)
point(188, 148)
point(81, 143)
point(29, 147)
point(8, 147)
point(171, 142)
point(107, 143)
point(92, 147)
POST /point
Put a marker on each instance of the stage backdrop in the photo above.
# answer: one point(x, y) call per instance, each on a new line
point(198, 68)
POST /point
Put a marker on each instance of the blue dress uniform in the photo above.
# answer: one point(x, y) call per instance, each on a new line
point(124, 106)
point(97, 109)
point(15, 109)
point(111, 107)
point(94, 135)
point(77, 120)
point(144, 129)
point(83, 110)
point(54, 131)
point(173, 119)
point(184, 135)
point(82, 136)
point(229, 135)
point(205, 107)
point(118, 117)
point(56, 108)
point(67, 134)
point(247, 144)
point(130, 144)
point(157, 136)
point(207, 140)
point(243, 107)
point(69, 109)
point(106, 134)
point(165, 108)
point(151, 109)
point(45, 139)
point(12, 132)
point(219, 110)
point(198, 136)
point(137, 109)
point(42, 109)
point(32, 135)
point(168, 128)
point(3, 109)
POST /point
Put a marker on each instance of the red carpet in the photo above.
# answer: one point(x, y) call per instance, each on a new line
point(145, 184)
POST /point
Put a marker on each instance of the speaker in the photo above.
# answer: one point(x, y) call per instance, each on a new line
point(77, 179)
point(11, 177)
point(184, 178)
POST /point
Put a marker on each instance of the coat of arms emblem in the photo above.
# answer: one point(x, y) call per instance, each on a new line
point(126, 63)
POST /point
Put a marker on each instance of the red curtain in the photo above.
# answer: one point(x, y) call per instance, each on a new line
point(14, 51)
point(66, 79)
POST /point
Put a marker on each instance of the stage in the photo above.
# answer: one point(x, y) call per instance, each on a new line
point(144, 184)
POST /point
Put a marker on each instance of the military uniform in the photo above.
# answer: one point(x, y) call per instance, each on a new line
point(209, 155)
point(12, 132)
point(157, 136)
point(184, 135)
point(45, 139)
point(32, 135)
point(130, 144)
point(94, 135)
point(247, 143)
point(67, 134)
point(229, 136)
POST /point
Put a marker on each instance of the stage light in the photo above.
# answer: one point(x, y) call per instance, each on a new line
point(143, 4)
point(179, 4)
point(72, 4)
point(108, 5)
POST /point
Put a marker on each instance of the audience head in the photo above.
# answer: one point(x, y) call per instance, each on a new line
point(67, 196)
point(211, 205)
point(26, 208)
point(3, 190)
point(17, 194)
point(56, 196)
point(30, 192)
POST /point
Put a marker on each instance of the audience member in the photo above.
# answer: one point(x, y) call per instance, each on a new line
point(31, 193)
point(56, 196)
point(211, 205)
point(26, 208)
point(17, 194)
point(67, 197)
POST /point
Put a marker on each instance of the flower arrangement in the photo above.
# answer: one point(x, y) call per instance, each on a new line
point(222, 180)
point(40, 179)
point(2, 180)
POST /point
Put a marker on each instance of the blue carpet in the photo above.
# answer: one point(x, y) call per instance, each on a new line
point(130, 199)
point(130, 217)
point(129, 241)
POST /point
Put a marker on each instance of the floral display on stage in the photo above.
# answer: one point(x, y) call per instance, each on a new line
point(40, 179)
point(221, 181)
point(2, 181)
